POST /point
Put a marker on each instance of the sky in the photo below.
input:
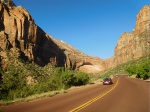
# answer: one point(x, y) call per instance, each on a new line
point(91, 26)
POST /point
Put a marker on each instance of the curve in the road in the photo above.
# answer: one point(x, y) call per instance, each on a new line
point(94, 99)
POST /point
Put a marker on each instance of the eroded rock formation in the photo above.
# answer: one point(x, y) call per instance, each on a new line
point(18, 31)
point(132, 46)
point(20, 34)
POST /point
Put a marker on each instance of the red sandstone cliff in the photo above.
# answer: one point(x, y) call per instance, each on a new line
point(132, 46)
point(18, 31)
point(20, 34)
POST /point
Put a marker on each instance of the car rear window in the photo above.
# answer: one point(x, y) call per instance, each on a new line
point(106, 79)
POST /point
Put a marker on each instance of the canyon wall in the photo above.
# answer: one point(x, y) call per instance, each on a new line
point(132, 46)
point(20, 34)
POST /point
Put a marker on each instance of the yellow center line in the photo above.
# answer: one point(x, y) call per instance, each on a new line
point(94, 99)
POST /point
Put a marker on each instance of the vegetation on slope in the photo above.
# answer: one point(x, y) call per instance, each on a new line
point(140, 68)
point(21, 79)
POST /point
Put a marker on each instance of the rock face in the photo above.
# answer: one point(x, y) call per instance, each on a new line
point(132, 46)
point(137, 43)
point(19, 33)
point(77, 60)
point(18, 30)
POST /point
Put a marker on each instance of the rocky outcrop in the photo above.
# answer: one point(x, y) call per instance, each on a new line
point(78, 60)
point(19, 32)
point(132, 46)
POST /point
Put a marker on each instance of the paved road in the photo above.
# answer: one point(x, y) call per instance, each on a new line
point(125, 95)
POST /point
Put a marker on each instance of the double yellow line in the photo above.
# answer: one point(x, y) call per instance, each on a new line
point(94, 99)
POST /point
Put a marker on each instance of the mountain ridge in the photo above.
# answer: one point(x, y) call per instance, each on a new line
point(19, 31)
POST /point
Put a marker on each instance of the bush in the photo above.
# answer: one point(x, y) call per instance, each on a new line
point(81, 78)
point(132, 70)
point(13, 80)
point(67, 78)
point(142, 70)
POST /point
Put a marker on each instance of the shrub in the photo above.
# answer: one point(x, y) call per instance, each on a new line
point(132, 70)
point(13, 79)
point(67, 79)
point(141, 70)
point(81, 78)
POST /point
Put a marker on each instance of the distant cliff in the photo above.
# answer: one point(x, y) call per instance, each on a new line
point(20, 34)
point(132, 46)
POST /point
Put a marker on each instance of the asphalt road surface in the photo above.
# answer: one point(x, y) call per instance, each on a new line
point(124, 95)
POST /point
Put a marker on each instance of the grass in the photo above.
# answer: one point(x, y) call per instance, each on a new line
point(121, 69)
point(33, 97)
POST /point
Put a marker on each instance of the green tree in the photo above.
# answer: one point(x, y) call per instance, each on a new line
point(81, 78)
point(12, 83)
point(143, 70)
point(67, 78)
point(132, 70)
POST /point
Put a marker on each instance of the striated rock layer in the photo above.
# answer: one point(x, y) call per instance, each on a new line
point(132, 46)
point(20, 34)
point(18, 31)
